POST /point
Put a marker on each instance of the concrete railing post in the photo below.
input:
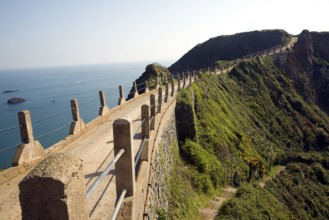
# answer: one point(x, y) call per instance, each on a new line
point(184, 80)
point(103, 110)
point(172, 86)
point(178, 82)
point(55, 189)
point(153, 112)
point(156, 83)
point(189, 78)
point(145, 132)
point(146, 87)
point(145, 113)
point(25, 126)
point(159, 99)
point(122, 97)
point(166, 92)
point(30, 149)
point(135, 93)
point(125, 166)
point(165, 81)
point(77, 125)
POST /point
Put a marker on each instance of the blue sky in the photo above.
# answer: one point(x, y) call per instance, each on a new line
point(42, 33)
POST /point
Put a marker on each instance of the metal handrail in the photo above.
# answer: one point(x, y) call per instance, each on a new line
point(11, 147)
point(51, 116)
point(138, 90)
point(88, 102)
point(51, 132)
point(140, 83)
point(140, 126)
point(151, 119)
point(138, 155)
point(118, 205)
point(10, 128)
point(88, 113)
point(104, 173)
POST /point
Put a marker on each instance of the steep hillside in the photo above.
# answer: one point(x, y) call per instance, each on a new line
point(234, 128)
point(228, 48)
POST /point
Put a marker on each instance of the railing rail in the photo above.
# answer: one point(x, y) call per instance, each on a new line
point(10, 147)
point(9, 128)
point(118, 204)
point(139, 152)
point(139, 127)
point(104, 173)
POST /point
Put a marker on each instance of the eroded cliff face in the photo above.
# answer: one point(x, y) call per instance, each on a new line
point(308, 67)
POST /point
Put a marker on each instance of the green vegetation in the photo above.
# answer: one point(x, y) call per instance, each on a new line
point(184, 200)
point(156, 71)
point(248, 121)
point(152, 73)
point(253, 202)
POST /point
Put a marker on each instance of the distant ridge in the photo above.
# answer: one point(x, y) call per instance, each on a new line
point(228, 47)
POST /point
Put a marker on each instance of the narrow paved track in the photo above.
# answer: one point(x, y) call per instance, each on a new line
point(95, 148)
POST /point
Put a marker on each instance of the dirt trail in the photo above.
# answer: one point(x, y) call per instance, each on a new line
point(210, 212)
point(275, 172)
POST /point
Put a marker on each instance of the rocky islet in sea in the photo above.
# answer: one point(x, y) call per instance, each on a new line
point(15, 100)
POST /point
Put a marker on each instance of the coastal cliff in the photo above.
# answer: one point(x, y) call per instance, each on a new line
point(236, 129)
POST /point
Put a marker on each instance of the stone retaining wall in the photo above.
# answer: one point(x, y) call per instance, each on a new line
point(161, 168)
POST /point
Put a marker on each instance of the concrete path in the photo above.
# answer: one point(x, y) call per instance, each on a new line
point(95, 148)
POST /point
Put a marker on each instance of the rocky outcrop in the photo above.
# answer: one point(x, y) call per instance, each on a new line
point(320, 42)
point(308, 68)
point(152, 72)
point(10, 91)
point(15, 100)
point(303, 50)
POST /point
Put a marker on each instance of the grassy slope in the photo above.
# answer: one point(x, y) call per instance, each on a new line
point(246, 122)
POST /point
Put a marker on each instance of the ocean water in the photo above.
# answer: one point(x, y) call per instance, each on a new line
point(48, 92)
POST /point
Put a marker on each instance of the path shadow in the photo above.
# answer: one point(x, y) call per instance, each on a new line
point(100, 198)
point(138, 136)
point(96, 174)
point(98, 168)
point(138, 119)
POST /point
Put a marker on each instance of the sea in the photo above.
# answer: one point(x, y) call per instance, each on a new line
point(48, 92)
